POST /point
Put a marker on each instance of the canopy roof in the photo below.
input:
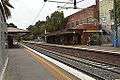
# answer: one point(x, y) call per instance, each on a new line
point(16, 30)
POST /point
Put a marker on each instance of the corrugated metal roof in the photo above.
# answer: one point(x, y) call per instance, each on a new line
point(16, 30)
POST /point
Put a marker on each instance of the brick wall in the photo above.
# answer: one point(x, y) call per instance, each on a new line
point(87, 15)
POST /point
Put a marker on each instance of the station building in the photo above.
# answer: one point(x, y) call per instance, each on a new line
point(81, 26)
point(14, 34)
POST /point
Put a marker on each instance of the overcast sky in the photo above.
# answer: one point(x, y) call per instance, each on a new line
point(25, 11)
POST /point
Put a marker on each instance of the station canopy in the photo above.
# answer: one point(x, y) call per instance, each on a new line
point(16, 30)
point(11, 28)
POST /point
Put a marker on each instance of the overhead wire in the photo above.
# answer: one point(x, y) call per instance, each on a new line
point(79, 1)
point(39, 13)
point(44, 5)
point(64, 5)
point(59, 2)
point(71, 3)
point(42, 9)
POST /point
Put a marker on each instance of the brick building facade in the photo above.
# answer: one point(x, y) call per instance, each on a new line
point(85, 21)
point(87, 15)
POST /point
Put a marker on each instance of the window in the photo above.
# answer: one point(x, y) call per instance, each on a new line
point(77, 22)
point(68, 25)
point(80, 21)
point(72, 23)
point(84, 20)
point(111, 13)
point(103, 19)
point(90, 20)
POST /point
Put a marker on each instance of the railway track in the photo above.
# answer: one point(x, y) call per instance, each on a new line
point(98, 70)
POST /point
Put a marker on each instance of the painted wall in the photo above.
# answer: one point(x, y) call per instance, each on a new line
point(106, 19)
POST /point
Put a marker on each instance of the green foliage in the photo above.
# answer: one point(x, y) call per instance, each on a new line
point(6, 6)
point(37, 29)
point(118, 10)
point(27, 37)
point(53, 23)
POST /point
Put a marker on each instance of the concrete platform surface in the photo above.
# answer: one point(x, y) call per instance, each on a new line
point(26, 65)
point(22, 66)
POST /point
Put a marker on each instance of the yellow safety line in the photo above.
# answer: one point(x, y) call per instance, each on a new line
point(59, 74)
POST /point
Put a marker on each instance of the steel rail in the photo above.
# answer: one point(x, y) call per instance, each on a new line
point(62, 59)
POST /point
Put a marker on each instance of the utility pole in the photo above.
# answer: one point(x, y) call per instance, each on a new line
point(75, 7)
point(115, 24)
point(97, 8)
point(45, 0)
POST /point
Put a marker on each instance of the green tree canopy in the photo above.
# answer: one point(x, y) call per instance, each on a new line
point(118, 10)
point(37, 29)
point(53, 23)
point(6, 5)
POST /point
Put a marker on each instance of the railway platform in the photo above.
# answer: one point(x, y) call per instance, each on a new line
point(108, 49)
point(104, 48)
point(96, 60)
point(25, 65)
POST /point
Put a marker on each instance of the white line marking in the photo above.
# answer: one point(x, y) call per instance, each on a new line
point(4, 69)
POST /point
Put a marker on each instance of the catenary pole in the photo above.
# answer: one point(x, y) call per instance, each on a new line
point(115, 24)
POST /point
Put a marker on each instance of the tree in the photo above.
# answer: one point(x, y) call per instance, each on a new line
point(11, 25)
point(118, 10)
point(55, 22)
point(6, 5)
point(49, 25)
point(37, 29)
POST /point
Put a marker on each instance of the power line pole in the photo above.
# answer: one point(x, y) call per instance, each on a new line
point(97, 8)
point(75, 6)
point(115, 24)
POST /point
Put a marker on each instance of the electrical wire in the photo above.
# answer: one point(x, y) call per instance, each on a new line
point(39, 13)
point(72, 3)
point(64, 5)
point(59, 2)
point(65, 2)
point(58, 9)
point(79, 1)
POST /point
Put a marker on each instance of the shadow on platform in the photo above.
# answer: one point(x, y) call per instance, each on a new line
point(14, 46)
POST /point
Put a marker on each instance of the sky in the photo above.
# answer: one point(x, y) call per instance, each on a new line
point(25, 12)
